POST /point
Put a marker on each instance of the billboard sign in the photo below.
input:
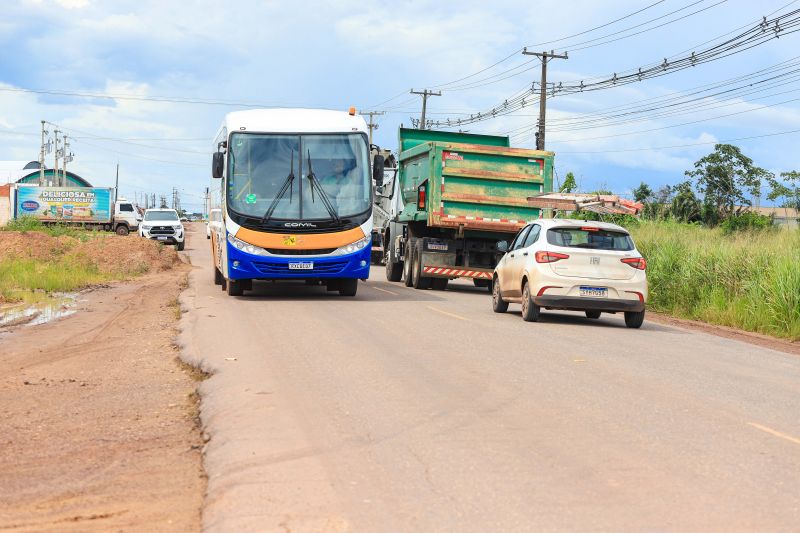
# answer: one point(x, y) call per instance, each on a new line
point(64, 204)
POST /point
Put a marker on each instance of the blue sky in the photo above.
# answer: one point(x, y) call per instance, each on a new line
point(363, 53)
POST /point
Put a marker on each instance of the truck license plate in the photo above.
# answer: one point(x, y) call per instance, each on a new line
point(594, 292)
point(304, 265)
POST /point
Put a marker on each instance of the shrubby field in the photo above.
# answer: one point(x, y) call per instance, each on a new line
point(748, 280)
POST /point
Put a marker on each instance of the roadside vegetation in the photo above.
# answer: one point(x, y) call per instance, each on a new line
point(711, 258)
point(37, 260)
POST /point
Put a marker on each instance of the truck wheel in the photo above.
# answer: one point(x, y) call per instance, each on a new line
point(217, 276)
point(530, 311)
point(634, 320)
point(235, 288)
point(418, 281)
point(407, 263)
point(483, 283)
point(348, 287)
point(439, 284)
point(498, 304)
point(122, 230)
point(394, 269)
point(180, 246)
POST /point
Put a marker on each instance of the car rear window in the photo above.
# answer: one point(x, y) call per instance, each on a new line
point(588, 237)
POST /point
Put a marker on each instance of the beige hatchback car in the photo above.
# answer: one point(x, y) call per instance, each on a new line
point(574, 265)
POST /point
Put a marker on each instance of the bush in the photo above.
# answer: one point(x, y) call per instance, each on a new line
point(29, 223)
point(747, 221)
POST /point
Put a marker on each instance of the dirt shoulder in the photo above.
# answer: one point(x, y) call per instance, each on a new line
point(764, 341)
point(98, 417)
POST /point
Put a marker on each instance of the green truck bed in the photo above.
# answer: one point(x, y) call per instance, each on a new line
point(472, 182)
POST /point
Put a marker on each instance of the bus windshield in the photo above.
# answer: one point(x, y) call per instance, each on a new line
point(268, 176)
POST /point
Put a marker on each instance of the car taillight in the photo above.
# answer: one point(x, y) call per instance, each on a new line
point(549, 257)
point(421, 197)
point(636, 262)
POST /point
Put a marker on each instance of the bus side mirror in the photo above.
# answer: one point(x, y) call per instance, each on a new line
point(377, 170)
point(502, 246)
point(217, 164)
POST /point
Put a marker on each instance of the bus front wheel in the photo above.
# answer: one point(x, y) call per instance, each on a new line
point(348, 287)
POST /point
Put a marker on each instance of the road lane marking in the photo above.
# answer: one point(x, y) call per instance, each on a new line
point(384, 290)
point(448, 314)
point(773, 432)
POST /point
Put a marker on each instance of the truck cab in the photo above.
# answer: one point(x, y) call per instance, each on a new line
point(126, 218)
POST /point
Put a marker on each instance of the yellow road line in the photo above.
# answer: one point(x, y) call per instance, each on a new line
point(773, 432)
point(384, 290)
point(446, 313)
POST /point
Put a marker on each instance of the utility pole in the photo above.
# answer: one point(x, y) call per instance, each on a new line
point(545, 58)
point(116, 186)
point(425, 94)
point(41, 156)
point(67, 159)
point(55, 154)
point(372, 125)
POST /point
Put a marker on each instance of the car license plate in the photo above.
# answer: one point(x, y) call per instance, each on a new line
point(304, 265)
point(594, 292)
point(162, 238)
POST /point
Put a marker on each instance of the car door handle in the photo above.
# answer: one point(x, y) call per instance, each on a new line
point(525, 254)
point(512, 255)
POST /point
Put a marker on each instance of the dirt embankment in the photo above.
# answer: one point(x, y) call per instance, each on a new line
point(109, 253)
point(98, 417)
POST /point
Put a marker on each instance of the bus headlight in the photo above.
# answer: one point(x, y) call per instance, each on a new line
point(360, 244)
point(246, 246)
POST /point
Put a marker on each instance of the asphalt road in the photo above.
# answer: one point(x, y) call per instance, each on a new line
point(404, 410)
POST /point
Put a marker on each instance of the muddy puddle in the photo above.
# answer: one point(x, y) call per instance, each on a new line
point(32, 314)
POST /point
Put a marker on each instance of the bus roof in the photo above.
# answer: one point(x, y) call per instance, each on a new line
point(294, 121)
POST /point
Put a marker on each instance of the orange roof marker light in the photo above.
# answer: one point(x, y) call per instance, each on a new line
point(352, 111)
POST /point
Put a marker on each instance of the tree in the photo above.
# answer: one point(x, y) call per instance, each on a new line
point(685, 206)
point(570, 185)
point(726, 177)
point(789, 189)
point(642, 193)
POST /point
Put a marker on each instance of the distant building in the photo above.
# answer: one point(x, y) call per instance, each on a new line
point(783, 216)
point(28, 172)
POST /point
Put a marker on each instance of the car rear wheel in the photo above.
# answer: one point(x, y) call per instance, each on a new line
point(634, 320)
point(593, 314)
point(498, 304)
point(530, 311)
point(217, 276)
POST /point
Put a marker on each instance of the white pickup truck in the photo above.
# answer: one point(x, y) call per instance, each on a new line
point(163, 225)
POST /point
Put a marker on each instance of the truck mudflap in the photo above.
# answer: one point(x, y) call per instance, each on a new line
point(453, 272)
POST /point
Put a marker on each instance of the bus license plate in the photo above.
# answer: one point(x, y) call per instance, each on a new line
point(303, 265)
point(594, 292)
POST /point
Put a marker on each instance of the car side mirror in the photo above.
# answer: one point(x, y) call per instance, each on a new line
point(378, 165)
point(217, 165)
point(502, 246)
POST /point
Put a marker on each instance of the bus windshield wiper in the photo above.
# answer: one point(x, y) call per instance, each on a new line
point(315, 184)
point(287, 184)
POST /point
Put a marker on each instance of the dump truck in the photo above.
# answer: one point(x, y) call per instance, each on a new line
point(90, 207)
point(454, 197)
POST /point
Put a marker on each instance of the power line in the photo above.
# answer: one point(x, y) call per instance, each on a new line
point(760, 33)
point(683, 145)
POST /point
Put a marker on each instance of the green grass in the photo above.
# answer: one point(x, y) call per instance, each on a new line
point(28, 223)
point(748, 280)
point(26, 279)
